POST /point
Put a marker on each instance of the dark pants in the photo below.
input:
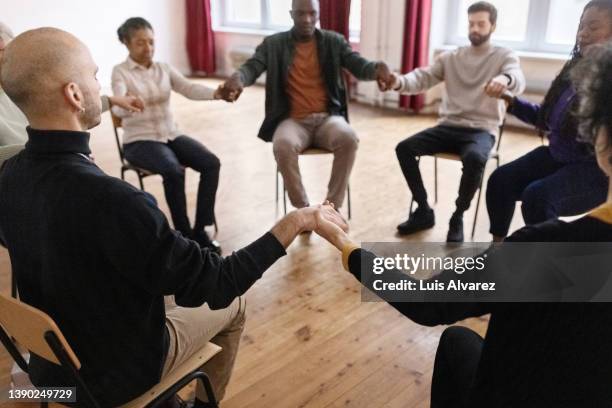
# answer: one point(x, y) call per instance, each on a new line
point(548, 190)
point(455, 367)
point(169, 160)
point(472, 145)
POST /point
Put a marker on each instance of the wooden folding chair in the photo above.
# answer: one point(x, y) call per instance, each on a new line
point(32, 329)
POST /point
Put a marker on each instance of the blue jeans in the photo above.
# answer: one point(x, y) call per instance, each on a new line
point(547, 189)
point(169, 160)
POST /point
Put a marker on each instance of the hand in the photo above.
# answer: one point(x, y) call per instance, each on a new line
point(232, 88)
point(384, 77)
point(397, 82)
point(312, 216)
point(497, 86)
point(332, 232)
point(306, 219)
point(225, 94)
point(129, 103)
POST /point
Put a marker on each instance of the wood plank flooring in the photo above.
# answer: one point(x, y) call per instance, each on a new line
point(309, 340)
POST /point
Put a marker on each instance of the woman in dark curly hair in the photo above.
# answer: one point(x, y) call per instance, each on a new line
point(561, 179)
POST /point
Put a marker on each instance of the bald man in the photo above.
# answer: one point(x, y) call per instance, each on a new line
point(97, 256)
point(306, 98)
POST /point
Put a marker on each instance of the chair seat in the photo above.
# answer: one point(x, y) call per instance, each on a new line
point(315, 151)
point(189, 366)
point(143, 172)
point(456, 157)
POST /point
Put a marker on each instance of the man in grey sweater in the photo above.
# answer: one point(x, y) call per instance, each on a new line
point(469, 117)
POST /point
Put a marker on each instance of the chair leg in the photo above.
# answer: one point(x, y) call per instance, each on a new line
point(284, 198)
point(436, 179)
point(13, 285)
point(141, 182)
point(477, 208)
point(123, 175)
point(212, 400)
point(348, 194)
point(277, 187)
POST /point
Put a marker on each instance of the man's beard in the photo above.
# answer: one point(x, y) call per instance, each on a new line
point(92, 115)
point(478, 40)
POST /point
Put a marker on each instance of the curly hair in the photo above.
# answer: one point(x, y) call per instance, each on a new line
point(593, 80)
point(132, 24)
point(563, 80)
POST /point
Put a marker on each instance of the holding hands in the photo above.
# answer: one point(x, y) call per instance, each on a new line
point(130, 103)
point(384, 77)
point(231, 90)
point(497, 86)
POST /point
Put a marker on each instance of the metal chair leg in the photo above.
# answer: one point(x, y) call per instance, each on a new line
point(436, 178)
point(348, 194)
point(284, 198)
point(277, 187)
point(13, 285)
point(477, 209)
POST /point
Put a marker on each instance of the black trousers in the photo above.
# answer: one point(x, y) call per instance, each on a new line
point(455, 367)
point(169, 160)
point(547, 189)
point(472, 145)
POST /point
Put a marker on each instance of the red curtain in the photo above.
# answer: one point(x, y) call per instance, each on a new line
point(335, 16)
point(200, 37)
point(416, 45)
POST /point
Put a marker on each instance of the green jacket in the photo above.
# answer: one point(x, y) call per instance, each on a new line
point(275, 55)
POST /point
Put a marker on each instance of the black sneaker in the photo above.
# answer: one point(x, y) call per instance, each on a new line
point(204, 241)
point(420, 220)
point(455, 230)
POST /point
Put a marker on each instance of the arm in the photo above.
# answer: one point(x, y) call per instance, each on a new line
point(427, 314)
point(510, 81)
point(512, 70)
point(138, 241)
point(187, 88)
point(421, 79)
point(357, 65)
point(524, 110)
point(255, 66)
point(120, 90)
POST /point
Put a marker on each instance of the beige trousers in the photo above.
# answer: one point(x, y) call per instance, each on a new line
point(322, 131)
point(191, 328)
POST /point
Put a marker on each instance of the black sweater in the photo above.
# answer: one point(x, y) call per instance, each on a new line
point(98, 256)
point(534, 355)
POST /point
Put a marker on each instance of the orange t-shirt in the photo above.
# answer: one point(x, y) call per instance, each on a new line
point(305, 85)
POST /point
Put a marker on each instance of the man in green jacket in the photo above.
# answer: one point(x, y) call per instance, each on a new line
point(306, 97)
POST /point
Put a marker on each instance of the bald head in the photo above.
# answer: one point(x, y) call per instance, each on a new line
point(47, 71)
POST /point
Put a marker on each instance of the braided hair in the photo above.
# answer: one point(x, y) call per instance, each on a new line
point(563, 81)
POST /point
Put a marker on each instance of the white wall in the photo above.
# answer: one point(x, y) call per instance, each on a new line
point(96, 23)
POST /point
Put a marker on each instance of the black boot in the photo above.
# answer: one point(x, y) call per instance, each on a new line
point(455, 229)
point(420, 220)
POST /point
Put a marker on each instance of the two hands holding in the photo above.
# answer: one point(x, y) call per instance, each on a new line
point(323, 219)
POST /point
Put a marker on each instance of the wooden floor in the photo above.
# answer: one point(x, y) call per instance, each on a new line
point(309, 340)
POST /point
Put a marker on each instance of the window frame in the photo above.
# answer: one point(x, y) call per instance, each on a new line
point(537, 28)
point(265, 25)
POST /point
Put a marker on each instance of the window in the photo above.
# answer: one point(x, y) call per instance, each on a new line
point(269, 15)
point(527, 25)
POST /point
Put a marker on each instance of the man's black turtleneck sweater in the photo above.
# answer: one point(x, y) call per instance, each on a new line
point(98, 256)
